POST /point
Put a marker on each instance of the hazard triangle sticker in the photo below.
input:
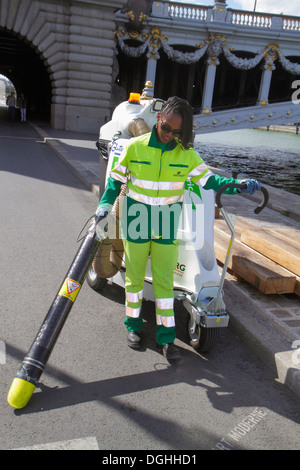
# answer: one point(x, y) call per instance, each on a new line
point(72, 286)
point(70, 289)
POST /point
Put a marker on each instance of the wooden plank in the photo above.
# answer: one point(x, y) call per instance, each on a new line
point(274, 248)
point(253, 267)
point(287, 231)
point(288, 235)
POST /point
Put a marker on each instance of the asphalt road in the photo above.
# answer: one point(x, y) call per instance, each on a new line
point(97, 393)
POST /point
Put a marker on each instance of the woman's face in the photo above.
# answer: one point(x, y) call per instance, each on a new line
point(166, 123)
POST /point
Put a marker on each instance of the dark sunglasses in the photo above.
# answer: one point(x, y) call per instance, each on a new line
point(167, 129)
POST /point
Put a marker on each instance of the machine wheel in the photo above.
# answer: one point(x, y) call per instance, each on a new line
point(94, 281)
point(203, 339)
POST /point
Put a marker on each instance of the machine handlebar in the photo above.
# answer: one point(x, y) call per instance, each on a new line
point(257, 210)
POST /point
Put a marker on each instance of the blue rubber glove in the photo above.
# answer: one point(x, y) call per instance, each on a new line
point(100, 212)
point(252, 186)
point(102, 225)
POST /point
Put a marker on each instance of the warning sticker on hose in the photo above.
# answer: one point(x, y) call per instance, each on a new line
point(70, 289)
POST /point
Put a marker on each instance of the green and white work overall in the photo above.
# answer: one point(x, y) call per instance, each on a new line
point(155, 174)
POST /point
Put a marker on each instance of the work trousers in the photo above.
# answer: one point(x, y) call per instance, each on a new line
point(163, 263)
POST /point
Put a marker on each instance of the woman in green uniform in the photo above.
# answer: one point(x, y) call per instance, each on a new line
point(155, 167)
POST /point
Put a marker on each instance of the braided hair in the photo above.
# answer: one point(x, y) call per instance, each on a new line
point(181, 107)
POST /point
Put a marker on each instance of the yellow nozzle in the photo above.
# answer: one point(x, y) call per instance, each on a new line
point(20, 393)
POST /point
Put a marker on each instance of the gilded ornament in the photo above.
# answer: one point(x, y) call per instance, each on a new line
point(130, 15)
point(142, 17)
point(134, 34)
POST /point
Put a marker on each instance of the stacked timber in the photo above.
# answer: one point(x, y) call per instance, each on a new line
point(266, 257)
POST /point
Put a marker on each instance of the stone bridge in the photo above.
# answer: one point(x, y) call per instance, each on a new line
point(75, 60)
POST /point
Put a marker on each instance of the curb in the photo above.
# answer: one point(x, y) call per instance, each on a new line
point(268, 341)
point(75, 166)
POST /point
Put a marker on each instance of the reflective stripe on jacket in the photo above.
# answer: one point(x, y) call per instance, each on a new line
point(156, 174)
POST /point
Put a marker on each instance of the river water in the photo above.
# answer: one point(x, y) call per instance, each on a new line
point(271, 157)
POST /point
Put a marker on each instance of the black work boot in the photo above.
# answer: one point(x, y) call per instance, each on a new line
point(170, 352)
point(134, 339)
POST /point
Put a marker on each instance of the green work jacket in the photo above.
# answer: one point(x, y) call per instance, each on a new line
point(155, 175)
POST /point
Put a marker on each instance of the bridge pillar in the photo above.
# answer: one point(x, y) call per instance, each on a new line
point(151, 70)
point(263, 95)
point(209, 83)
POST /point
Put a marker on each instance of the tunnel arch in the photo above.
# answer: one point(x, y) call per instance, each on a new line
point(75, 44)
point(26, 68)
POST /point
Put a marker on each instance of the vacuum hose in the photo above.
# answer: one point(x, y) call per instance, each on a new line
point(138, 127)
point(108, 259)
point(36, 359)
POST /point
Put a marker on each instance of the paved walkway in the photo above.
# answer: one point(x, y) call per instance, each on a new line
point(268, 324)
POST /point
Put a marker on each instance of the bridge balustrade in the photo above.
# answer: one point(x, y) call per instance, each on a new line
point(235, 17)
point(215, 57)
